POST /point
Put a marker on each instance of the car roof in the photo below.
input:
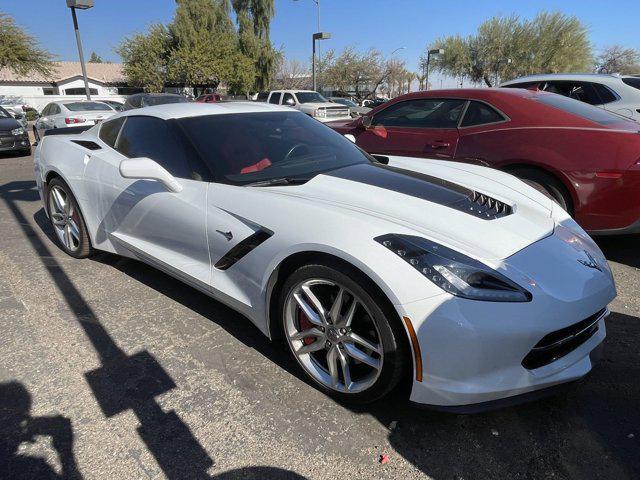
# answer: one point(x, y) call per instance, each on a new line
point(183, 110)
point(592, 77)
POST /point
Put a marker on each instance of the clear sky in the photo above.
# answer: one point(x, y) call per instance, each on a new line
point(383, 24)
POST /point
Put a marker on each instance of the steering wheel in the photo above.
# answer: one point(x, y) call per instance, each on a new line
point(293, 149)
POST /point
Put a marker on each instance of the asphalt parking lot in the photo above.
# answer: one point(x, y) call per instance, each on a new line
point(112, 370)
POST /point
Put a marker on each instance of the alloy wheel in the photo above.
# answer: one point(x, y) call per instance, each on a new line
point(333, 336)
point(64, 218)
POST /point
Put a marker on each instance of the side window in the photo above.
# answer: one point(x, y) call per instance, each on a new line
point(54, 110)
point(288, 98)
point(109, 131)
point(45, 110)
point(480, 113)
point(275, 98)
point(581, 91)
point(522, 85)
point(605, 94)
point(153, 138)
point(422, 113)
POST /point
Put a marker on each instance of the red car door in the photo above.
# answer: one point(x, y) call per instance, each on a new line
point(416, 128)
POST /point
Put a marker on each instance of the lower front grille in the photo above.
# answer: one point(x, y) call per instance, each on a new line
point(562, 342)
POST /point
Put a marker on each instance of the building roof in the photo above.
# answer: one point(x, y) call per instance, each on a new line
point(101, 72)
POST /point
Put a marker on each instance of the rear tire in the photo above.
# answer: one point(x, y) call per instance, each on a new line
point(66, 219)
point(369, 353)
point(547, 185)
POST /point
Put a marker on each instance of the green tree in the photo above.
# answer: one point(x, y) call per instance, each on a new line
point(253, 18)
point(617, 59)
point(19, 51)
point(508, 47)
point(359, 72)
point(145, 57)
point(95, 58)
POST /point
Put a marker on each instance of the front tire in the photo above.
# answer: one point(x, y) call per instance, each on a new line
point(344, 339)
point(66, 220)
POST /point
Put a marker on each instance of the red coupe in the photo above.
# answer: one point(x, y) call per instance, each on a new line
point(585, 158)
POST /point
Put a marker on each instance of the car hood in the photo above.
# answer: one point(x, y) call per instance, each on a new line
point(9, 123)
point(479, 211)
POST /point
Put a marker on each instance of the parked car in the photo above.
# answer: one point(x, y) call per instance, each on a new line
point(209, 98)
point(140, 100)
point(13, 135)
point(616, 93)
point(354, 109)
point(369, 103)
point(464, 281)
point(260, 97)
point(117, 106)
point(311, 103)
point(583, 157)
point(70, 113)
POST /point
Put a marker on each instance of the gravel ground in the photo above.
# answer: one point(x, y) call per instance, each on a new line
point(112, 370)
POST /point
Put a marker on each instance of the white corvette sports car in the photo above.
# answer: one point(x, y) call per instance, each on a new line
point(463, 279)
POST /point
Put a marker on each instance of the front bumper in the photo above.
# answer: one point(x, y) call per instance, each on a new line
point(14, 142)
point(473, 352)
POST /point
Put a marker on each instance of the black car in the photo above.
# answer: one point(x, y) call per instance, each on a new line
point(139, 100)
point(13, 136)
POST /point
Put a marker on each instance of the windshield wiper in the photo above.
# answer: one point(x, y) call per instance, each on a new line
point(278, 181)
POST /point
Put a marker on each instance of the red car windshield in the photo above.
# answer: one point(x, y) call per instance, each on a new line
point(581, 109)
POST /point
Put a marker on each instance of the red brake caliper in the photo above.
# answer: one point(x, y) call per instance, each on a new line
point(305, 324)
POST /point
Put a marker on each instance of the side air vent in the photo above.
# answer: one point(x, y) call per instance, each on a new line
point(487, 207)
point(243, 248)
point(87, 144)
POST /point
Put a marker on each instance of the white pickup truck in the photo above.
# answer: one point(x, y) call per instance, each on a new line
point(311, 103)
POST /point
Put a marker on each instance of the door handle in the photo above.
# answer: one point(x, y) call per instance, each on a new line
point(440, 144)
point(227, 235)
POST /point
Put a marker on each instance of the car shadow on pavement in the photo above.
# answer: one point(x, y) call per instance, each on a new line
point(17, 426)
point(122, 383)
point(621, 249)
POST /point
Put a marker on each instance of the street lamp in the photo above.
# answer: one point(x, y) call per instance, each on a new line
point(397, 50)
point(435, 51)
point(316, 36)
point(82, 5)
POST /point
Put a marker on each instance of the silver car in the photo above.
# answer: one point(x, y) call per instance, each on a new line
point(70, 113)
point(616, 93)
point(355, 110)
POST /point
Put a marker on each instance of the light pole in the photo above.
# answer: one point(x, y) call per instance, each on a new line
point(82, 5)
point(397, 50)
point(316, 36)
point(506, 61)
point(435, 51)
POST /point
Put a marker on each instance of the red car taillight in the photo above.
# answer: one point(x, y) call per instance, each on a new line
point(70, 120)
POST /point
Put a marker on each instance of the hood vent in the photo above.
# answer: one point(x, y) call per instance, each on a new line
point(486, 207)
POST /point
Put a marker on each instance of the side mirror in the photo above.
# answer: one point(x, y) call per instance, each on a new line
point(290, 102)
point(366, 121)
point(350, 137)
point(147, 169)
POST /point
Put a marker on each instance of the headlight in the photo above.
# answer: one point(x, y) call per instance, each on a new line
point(17, 131)
point(321, 112)
point(454, 272)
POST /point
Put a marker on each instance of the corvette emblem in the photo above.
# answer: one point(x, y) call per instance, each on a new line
point(590, 261)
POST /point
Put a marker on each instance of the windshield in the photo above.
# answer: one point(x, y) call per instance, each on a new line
point(255, 147)
point(4, 113)
point(581, 109)
point(161, 100)
point(87, 107)
point(310, 97)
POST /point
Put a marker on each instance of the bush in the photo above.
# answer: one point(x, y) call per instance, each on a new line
point(31, 115)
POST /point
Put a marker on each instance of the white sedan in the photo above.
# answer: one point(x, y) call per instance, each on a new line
point(461, 279)
point(70, 113)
